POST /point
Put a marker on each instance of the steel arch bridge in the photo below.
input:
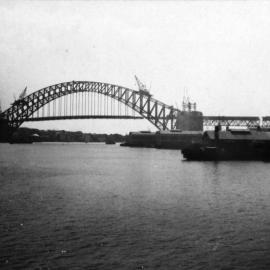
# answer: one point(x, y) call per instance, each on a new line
point(162, 116)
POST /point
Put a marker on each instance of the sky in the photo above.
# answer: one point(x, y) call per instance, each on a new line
point(218, 51)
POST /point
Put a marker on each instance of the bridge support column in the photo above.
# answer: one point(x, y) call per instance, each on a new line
point(189, 120)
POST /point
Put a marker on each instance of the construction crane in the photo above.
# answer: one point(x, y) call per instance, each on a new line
point(142, 87)
point(186, 104)
point(23, 93)
point(21, 97)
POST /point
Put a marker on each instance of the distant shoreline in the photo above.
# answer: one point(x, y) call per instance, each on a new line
point(26, 135)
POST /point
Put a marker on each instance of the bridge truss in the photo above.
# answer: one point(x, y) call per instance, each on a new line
point(235, 121)
point(96, 100)
point(84, 100)
point(266, 121)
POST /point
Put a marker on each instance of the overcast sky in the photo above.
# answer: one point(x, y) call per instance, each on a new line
point(219, 51)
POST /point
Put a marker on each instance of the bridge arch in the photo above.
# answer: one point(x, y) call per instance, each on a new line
point(156, 112)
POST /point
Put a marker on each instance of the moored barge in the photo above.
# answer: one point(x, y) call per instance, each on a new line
point(249, 144)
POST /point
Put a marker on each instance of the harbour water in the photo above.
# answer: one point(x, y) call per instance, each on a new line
point(97, 206)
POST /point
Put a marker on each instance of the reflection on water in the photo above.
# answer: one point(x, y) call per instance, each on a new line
point(96, 206)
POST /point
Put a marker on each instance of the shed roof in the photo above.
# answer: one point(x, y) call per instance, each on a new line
point(191, 132)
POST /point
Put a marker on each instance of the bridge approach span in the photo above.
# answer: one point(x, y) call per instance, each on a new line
point(237, 121)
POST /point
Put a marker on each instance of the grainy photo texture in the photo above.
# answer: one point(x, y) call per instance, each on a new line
point(135, 135)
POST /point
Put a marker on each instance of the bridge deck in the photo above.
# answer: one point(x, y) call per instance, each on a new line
point(48, 118)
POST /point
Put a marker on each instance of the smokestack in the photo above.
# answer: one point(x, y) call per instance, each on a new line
point(217, 129)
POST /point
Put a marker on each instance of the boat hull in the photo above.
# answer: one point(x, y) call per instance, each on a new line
point(226, 153)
